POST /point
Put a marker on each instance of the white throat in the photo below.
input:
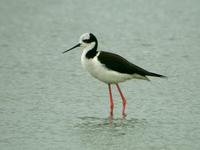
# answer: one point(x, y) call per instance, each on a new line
point(85, 62)
point(88, 47)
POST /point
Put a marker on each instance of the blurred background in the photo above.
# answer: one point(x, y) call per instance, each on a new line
point(47, 101)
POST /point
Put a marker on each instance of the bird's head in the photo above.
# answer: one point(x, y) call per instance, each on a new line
point(86, 40)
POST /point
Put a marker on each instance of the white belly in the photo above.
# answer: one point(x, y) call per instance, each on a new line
point(99, 71)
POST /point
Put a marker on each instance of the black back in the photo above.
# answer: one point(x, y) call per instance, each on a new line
point(117, 63)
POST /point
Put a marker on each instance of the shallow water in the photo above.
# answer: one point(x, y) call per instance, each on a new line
point(47, 101)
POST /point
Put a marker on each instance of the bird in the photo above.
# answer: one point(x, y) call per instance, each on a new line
point(109, 68)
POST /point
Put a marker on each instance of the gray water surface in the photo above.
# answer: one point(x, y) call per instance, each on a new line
point(47, 101)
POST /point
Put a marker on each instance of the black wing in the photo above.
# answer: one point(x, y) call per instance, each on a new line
point(117, 63)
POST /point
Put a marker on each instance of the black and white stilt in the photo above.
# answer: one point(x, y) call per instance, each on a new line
point(108, 67)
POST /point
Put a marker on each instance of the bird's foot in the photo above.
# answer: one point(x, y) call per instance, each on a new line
point(110, 118)
point(124, 115)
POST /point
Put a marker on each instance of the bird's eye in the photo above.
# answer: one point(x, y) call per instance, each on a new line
point(86, 40)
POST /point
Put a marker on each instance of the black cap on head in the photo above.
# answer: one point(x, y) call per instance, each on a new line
point(91, 39)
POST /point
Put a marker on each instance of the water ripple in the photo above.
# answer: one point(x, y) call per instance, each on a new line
point(103, 123)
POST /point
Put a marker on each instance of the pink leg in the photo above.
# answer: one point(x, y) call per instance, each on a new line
point(111, 100)
point(123, 100)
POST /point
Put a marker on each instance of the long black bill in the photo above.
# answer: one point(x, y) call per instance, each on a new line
point(72, 48)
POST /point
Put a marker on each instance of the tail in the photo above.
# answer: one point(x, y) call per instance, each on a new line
point(156, 75)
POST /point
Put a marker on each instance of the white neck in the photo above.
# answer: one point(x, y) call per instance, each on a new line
point(88, 47)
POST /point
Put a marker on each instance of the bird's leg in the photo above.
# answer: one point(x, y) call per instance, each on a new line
point(111, 101)
point(123, 101)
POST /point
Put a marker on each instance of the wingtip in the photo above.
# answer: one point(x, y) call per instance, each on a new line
point(157, 75)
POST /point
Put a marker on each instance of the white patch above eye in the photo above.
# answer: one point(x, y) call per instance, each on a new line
point(85, 36)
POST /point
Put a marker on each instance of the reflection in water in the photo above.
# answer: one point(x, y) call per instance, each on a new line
point(103, 123)
point(102, 132)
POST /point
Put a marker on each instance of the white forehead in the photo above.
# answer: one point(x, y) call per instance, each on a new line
point(85, 36)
